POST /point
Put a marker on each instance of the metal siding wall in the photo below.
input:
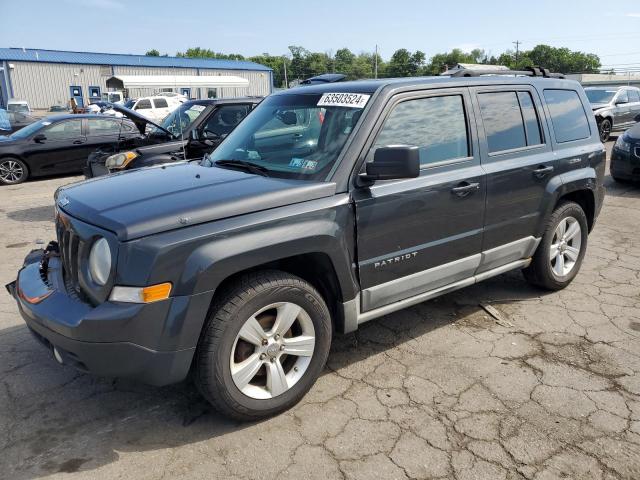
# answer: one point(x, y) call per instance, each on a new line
point(45, 84)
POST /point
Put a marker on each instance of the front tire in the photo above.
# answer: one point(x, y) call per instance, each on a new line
point(264, 345)
point(559, 256)
point(13, 171)
point(604, 128)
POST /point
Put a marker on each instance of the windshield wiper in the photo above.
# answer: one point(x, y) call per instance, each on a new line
point(248, 166)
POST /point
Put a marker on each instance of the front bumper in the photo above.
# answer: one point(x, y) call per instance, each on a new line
point(153, 343)
point(626, 165)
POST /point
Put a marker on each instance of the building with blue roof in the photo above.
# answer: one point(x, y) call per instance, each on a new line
point(51, 77)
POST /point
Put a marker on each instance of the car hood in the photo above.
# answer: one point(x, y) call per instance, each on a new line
point(151, 200)
point(633, 133)
point(139, 121)
point(4, 136)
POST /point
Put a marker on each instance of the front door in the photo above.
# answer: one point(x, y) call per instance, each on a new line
point(421, 234)
point(63, 150)
point(76, 93)
point(215, 128)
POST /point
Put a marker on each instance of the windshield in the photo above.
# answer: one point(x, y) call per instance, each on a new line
point(180, 119)
point(29, 130)
point(295, 135)
point(600, 95)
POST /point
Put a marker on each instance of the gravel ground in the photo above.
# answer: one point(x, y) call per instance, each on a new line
point(440, 390)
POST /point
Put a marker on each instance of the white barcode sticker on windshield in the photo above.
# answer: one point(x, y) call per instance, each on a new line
point(353, 100)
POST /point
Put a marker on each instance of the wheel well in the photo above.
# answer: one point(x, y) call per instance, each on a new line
point(586, 200)
point(315, 268)
point(599, 118)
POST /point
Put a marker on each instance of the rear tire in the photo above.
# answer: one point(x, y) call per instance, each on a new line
point(264, 345)
point(559, 256)
point(13, 171)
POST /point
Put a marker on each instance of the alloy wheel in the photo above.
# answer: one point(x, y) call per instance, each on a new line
point(272, 350)
point(11, 171)
point(565, 246)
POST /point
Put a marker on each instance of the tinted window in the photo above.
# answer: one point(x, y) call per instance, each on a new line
point(502, 119)
point(437, 125)
point(530, 116)
point(143, 104)
point(160, 103)
point(64, 130)
point(101, 126)
point(567, 115)
point(225, 119)
point(634, 96)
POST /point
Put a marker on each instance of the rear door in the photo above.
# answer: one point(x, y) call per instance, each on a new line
point(421, 234)
point(64, 149)
point(517, 158)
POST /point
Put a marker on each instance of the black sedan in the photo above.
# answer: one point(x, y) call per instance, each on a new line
point(12, 121)
point(59, 144)
point(625, 157)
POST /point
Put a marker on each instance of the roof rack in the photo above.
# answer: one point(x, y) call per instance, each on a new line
point(527, 72)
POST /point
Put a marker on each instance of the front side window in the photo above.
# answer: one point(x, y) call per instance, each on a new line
point(143, 104)
point(623, 97)
point(568, 117)
point(64, 130)
point(160, 103)
point(437, 125)
point(634, 96)
point(225, 119)
point(183, 116)
point(600, 95)
point(292, 136)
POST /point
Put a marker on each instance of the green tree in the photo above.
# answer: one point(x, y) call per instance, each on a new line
point(563, 60)
point(152, 53)
point(343, 62)
point(403, 63)
point(198, 52)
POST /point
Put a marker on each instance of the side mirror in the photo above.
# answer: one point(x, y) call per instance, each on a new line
point(393, 162)
point(40, 138)
point(622, 102)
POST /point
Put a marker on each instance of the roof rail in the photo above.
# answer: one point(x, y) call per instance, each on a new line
point(527, 72)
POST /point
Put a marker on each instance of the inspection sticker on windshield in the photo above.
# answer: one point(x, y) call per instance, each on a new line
point(353, 100)
point(198, 108)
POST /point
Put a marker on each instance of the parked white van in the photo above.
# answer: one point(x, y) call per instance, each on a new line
point(157, 107)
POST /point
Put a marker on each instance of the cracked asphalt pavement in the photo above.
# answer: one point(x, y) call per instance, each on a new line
point(441, 390)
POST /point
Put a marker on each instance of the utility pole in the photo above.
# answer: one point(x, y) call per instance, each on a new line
point(286, 81)
point(376, 62)
point(517, 43)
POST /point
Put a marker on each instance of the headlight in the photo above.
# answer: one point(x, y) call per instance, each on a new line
point(622, 145)
point(119, 160)
point(100, 262)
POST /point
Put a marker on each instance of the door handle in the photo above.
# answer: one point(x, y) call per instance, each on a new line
point(542, 171)
point(465, 188)
point(297, 135)
point(78, 142)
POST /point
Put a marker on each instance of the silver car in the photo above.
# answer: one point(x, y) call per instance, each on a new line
point(615, 108)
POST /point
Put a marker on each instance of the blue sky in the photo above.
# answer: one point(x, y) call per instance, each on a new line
point(610, 29)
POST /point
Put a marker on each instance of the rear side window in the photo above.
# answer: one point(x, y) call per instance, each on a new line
point(510, 120)
point(569, 119)
point(634, 96)
point(102, 126)
point(437, 125)
point(160, 103)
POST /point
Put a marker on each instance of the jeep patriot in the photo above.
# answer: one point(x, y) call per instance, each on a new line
point(328, 206)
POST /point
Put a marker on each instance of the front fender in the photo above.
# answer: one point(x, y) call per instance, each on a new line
point(197, 259)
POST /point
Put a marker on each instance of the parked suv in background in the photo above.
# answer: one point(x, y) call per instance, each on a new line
point(193, 129)
point(156, 108)
point(615, 108)
point(327, 207)
point(625, 156)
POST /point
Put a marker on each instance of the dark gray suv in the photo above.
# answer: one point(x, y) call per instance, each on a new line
point(327, 207)
point(615, 108)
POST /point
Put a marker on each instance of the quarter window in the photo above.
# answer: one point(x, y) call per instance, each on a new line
point(64, 130)
point(531, 120)
point(437, 125)
point(567, 115)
